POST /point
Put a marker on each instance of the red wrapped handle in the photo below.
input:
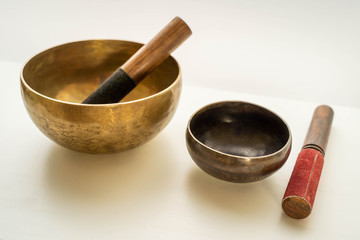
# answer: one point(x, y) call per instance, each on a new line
point(300, 193)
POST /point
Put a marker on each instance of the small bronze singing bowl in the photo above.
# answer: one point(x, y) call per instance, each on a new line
point(238, 141)
point(57, 80)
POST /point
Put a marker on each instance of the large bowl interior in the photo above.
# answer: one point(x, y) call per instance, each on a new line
point(56, 81)
point(240, 129)
point(72, 71)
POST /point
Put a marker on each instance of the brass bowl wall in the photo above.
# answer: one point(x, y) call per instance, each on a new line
point(238, 141)
point(57, 80)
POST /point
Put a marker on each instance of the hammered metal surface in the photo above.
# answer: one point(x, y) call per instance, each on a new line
point(54, 82)
point(238, 141)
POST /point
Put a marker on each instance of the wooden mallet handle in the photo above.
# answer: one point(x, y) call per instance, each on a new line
point(156, 50)
point(126, 77)
point(300, 193)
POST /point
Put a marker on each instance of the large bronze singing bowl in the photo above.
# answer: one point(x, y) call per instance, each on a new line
point(56, 81)
point(238, 141)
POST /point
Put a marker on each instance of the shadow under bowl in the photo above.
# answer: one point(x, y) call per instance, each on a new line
point(238, 141)
point(56, 81)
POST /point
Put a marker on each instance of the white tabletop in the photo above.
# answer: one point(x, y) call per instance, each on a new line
point(156, 191)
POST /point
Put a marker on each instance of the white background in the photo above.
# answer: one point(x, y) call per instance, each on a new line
point(306, 49)
point(288, 56)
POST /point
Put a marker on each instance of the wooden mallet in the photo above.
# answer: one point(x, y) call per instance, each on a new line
point(152, 54)
point(300, 193)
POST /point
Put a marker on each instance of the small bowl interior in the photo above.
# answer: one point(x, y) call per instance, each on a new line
point(240, 129)
point(72, 71)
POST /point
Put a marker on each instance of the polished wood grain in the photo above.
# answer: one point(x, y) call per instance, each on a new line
point(156, 50)
point(296, 207)
point(319, 130)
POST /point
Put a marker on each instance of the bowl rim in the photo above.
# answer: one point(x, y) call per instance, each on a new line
point(22, 79)
point(286, 145)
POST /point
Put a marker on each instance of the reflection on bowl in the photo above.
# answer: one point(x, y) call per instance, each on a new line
point(57, 80)
point(238, 141)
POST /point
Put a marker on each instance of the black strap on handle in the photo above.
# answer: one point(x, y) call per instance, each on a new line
point(115, 88)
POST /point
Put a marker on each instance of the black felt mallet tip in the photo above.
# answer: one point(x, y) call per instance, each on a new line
point(134, 70)
point(115, 88)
